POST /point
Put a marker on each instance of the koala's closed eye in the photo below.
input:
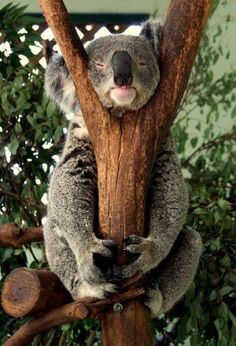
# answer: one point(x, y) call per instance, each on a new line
point(100, 65)
point(142, 63)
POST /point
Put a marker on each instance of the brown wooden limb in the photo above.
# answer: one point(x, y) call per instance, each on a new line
point(183, 29)
point(76, 59)
point(126, 148)
point(14, 236)
point(27, 292)
point(83, 308)
point(64, 314)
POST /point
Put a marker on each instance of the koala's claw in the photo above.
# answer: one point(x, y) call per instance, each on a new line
point(103, 263)
point(148, 255)
point(110, 244)
point(135, 244)
point(96, 266)
point(117, 277)
point(154, 300)
point(132, 239)
point(132, 244)
point(105, 247)
point(112, 289)
point(105, 260)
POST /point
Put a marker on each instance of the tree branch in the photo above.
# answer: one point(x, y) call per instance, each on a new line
point(14, 236)
point(12, 194)
point(27, 292)
point(50, 290)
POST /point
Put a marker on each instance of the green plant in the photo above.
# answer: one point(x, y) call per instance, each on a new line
point(207, 314)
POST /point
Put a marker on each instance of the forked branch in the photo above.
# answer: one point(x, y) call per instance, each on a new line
point(120, 145)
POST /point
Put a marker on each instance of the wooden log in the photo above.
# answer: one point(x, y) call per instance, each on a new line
point(126, 148)
point(27, 292)
point(83, 308)
point(14, 236)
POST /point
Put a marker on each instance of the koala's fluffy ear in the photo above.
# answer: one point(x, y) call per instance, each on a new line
point(152, 31)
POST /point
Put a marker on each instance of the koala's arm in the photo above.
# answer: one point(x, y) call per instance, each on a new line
point(59, 86)
point(71, 213)
point(168, 199)
point(72, 195)
point(166, 211)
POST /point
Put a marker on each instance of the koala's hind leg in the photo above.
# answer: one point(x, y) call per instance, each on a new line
point(171, 279)
point(62, 261)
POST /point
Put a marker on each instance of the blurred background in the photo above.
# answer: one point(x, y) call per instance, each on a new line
point(32, 133)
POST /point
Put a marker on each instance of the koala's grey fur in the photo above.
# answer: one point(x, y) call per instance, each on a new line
point(83, 262)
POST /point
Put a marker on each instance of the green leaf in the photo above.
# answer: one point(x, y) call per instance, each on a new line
point(223, 204)
point(194, 142)
point(7, 253)
point(21, 101)
point(57, 135)
point(51, 107)
point(225, 290)
point(18, 81)
point(232, 318)
point(65, 327)
point(13, 145)
point(18, 128)
point(212, 296)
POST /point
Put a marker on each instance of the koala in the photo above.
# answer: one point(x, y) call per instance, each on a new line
point(124, 72)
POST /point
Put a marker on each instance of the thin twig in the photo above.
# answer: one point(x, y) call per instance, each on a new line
point(51, 337)
point(212, 143)
point(62, 338)
point(28, 247)
point(91, 338)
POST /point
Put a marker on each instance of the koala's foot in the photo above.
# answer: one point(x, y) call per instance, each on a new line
point(154, 301)
point(148, 253)
point(96, 269)
point(99, 291)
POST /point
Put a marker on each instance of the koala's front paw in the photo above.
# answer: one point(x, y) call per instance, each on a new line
point(154, 301)
point(148, 251)
point(95, 265)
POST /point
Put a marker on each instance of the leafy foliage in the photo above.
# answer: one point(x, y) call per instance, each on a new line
point(207, 314)
point(32, 134)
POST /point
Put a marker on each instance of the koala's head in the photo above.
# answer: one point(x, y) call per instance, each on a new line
point(124, 69)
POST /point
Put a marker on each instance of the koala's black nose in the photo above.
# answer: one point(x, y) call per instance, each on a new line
point(122, 68)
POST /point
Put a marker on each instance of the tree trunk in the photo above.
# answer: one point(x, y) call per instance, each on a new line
point(126, 148)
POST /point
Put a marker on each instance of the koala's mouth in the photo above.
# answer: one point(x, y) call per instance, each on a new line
point(123, 95)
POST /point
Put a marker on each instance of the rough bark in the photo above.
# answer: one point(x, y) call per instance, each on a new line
point(27, 292)
point(47, 287)
point(14, 236)
point(125, 149)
